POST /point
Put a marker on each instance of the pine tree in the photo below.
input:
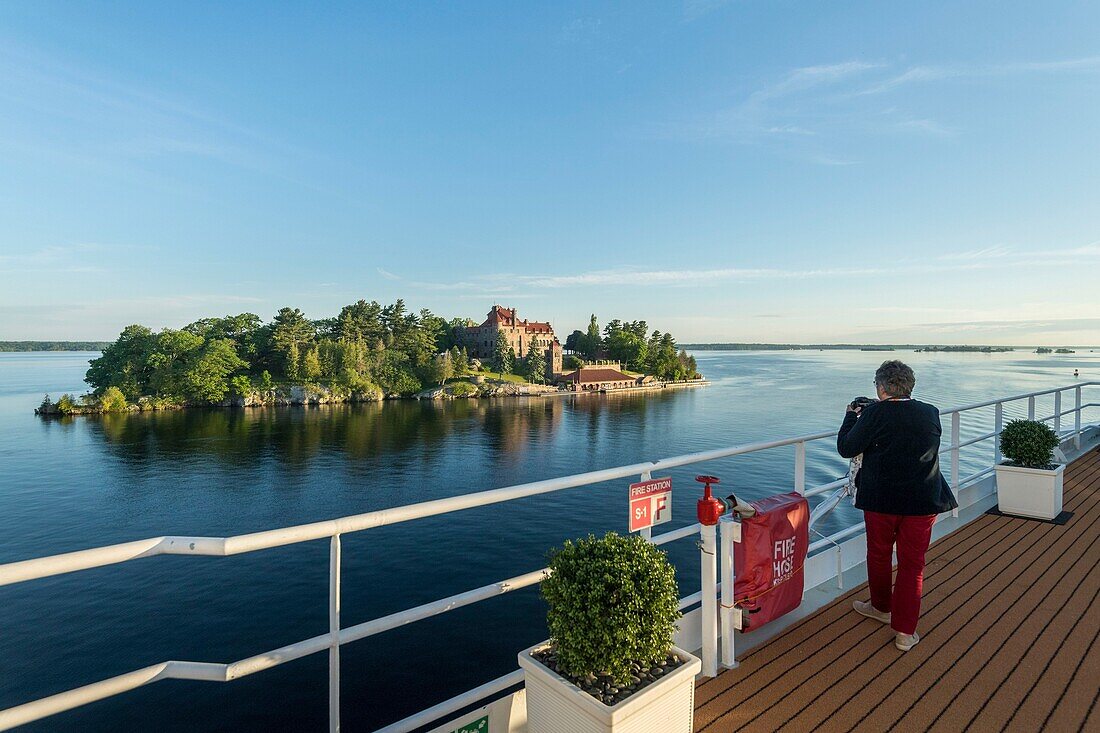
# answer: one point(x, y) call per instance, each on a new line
point(536, 365)
point(292, 367)
point(502, 357)
point(592, 339)
point(311, 365)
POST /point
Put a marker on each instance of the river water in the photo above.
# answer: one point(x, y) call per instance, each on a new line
point(72, 483)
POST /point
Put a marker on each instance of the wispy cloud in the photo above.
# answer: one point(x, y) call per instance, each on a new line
point(809, 111)
point(122, 122)
point(931, 73)
point(978, 259)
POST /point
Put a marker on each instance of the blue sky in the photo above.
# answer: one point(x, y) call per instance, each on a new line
point(730, 171)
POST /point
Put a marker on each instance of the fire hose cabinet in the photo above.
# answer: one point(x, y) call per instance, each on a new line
point(768, 561)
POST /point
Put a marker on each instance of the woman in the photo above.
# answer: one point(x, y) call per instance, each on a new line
point(900, 490)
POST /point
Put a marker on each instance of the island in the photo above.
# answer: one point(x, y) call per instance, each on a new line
point(967, 349)
point(23, 346)
point(370, 352)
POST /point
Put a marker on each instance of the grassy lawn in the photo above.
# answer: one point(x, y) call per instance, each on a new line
point(513, 378)
point(490, 377)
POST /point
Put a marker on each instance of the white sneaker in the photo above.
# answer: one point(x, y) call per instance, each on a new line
point(864, 608)
point(905, 642)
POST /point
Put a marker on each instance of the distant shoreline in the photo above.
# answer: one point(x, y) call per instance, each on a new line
point(941, 348)
point(28, 346)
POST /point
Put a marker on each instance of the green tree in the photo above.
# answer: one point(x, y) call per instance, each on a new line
point(311, 365)
point(536, 365)
point(112, 400)
point(206, 378)
point(124, 364)
point(240, 386)
point(460, 360)
point(293, 363)
point(442, 368)
point(360, 321)
point(574, 341)
point(266, 383)
point(169, 360)
point(502, 360)
point(291, 328)
point(624, 346)
point(591, 343)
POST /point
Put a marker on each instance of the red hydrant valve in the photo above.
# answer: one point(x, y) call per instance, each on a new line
point(709, 508)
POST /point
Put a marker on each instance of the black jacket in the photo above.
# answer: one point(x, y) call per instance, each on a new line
point(900, 443)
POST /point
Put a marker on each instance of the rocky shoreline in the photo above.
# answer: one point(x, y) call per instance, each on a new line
point(308, 395)
point(295, 395)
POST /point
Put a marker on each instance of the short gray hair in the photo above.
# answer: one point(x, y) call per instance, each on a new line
point(895, 378)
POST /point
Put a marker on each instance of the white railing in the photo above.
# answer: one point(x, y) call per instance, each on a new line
point(336, 636)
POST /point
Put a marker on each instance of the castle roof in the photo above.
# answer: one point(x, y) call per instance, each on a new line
point(507, 317)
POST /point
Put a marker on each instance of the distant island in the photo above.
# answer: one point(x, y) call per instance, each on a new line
point(7, 346)
point(369, 352)
point(978, 349)
point(843, 347)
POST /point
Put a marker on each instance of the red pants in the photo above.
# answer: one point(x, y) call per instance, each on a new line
point(911, 535)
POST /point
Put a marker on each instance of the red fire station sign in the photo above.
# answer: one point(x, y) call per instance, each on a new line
point(650, 503)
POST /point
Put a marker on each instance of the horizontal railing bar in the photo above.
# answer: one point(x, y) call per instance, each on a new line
point(824, 488)
point(987, 471)
point(676, 534)
point(835, 537)
point(455, 703)
point(979, 439)
point(691, 600)
point(62, 701)
point(385, 623)
point(1023, 396)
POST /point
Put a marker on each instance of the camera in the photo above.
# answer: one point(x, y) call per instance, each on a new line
point(860, 402)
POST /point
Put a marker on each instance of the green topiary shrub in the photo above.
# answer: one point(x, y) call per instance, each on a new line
point(1028, 443)
point(613, 602)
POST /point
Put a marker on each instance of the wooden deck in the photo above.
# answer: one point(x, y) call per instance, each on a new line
point(1009, 629)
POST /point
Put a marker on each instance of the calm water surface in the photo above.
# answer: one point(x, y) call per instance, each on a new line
point(67, 484)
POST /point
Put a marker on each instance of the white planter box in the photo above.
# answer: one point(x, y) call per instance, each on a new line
point(556, 705)
point(1030, 492)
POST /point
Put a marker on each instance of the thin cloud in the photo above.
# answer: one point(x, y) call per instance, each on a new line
point(804, 111)
point(976, 260)
point(922, 74)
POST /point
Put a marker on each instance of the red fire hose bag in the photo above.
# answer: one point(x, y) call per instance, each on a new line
point(768, 562)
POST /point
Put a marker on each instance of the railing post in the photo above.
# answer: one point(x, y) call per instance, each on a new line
point(646, 532)
point(800, 467)
point(729, 532)
point(1077, 418)
point(334, 632)
point(998, 424)
point(1058, 411)
point(709, 566)
point(955, 440)
point(1031, 407)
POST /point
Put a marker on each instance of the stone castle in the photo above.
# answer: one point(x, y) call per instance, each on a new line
point(522, 337)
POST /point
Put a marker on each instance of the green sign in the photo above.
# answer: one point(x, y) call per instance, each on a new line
point(481, 725)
